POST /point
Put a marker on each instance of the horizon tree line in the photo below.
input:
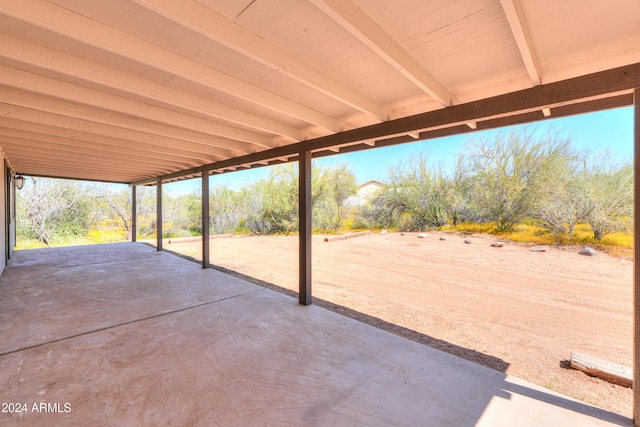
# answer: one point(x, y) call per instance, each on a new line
point(504, 180)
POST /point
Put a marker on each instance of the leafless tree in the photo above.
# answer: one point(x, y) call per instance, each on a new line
point(42, 201)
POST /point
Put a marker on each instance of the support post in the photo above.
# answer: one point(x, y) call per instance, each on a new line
point(159, 213)
point(205, 218)
point(636, 259)
point(134, 214)
point(304, 252)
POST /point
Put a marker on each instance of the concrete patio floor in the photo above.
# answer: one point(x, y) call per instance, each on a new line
point(122, 335)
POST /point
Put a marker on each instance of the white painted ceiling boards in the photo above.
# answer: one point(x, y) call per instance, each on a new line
point(127, 90)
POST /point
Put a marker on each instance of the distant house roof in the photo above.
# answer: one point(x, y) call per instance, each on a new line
point(372, 182)
point(366, 191)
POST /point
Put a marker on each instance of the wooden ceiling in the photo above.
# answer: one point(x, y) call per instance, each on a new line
point(127, 90)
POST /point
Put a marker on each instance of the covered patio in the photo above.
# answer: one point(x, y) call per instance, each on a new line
point(126, 335)
point(149, 92)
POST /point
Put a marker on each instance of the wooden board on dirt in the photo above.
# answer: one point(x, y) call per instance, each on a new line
point(611, 372)
point(198, 238)
point(346, 236)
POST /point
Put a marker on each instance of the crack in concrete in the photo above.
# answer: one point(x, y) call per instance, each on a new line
point(105, 328)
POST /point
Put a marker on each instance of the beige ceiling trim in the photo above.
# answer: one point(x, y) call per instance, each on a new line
point(83, 176)
point(48, 105)
point(57, 142)
point(70, 161)
point(210, 24)
point(58, 146)
point(39, 162)
point(520, 31)
point(30, 152)
point(73, 124)
point(30, 82)
point(365, 29)
point(68, 24)
point(78, 175)
point(79, 70)
point(41, 132)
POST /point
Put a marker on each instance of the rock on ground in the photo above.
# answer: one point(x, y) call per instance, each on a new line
point(539, 249)
point(587, 251)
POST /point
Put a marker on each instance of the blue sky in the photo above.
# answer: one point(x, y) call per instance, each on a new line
point(610, 129)
point(596, 131)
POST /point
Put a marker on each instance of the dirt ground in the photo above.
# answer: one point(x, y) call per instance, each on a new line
point(508, 308)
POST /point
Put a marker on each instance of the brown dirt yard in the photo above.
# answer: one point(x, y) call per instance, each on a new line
point(508, 308)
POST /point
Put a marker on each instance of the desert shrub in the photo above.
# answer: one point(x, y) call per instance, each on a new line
point(272, 203)
point(332, 186)
point(607, 196)
point(508, 175)
point(420, 195)
point(181, 214)
point(559, 207)
point(376, 215)
point(227, 209)
point(146, 212)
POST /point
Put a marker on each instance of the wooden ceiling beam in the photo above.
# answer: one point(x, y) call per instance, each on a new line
point(96, 115)
point(210, 24)
point(28, 154)
point(56, 171)
point(71, 123)
point(66, 23)
point(70, 164)
point(12, 127)
point(117, 179)
point(51, 165)
point(589, 90)
point(71, 68)
point(520, 31)
point(131, 151)
point(48, 87)
point(53, 147)
point(360, 25)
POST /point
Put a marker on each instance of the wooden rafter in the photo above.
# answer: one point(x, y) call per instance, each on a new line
point(63, 22)
point(84, 73)
point(214, 26)
point(586, 89)
point(44, 86)
point(361, 26)
point(149, 148)
point(35, 109)
point(59, 147)
point(520, 31)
